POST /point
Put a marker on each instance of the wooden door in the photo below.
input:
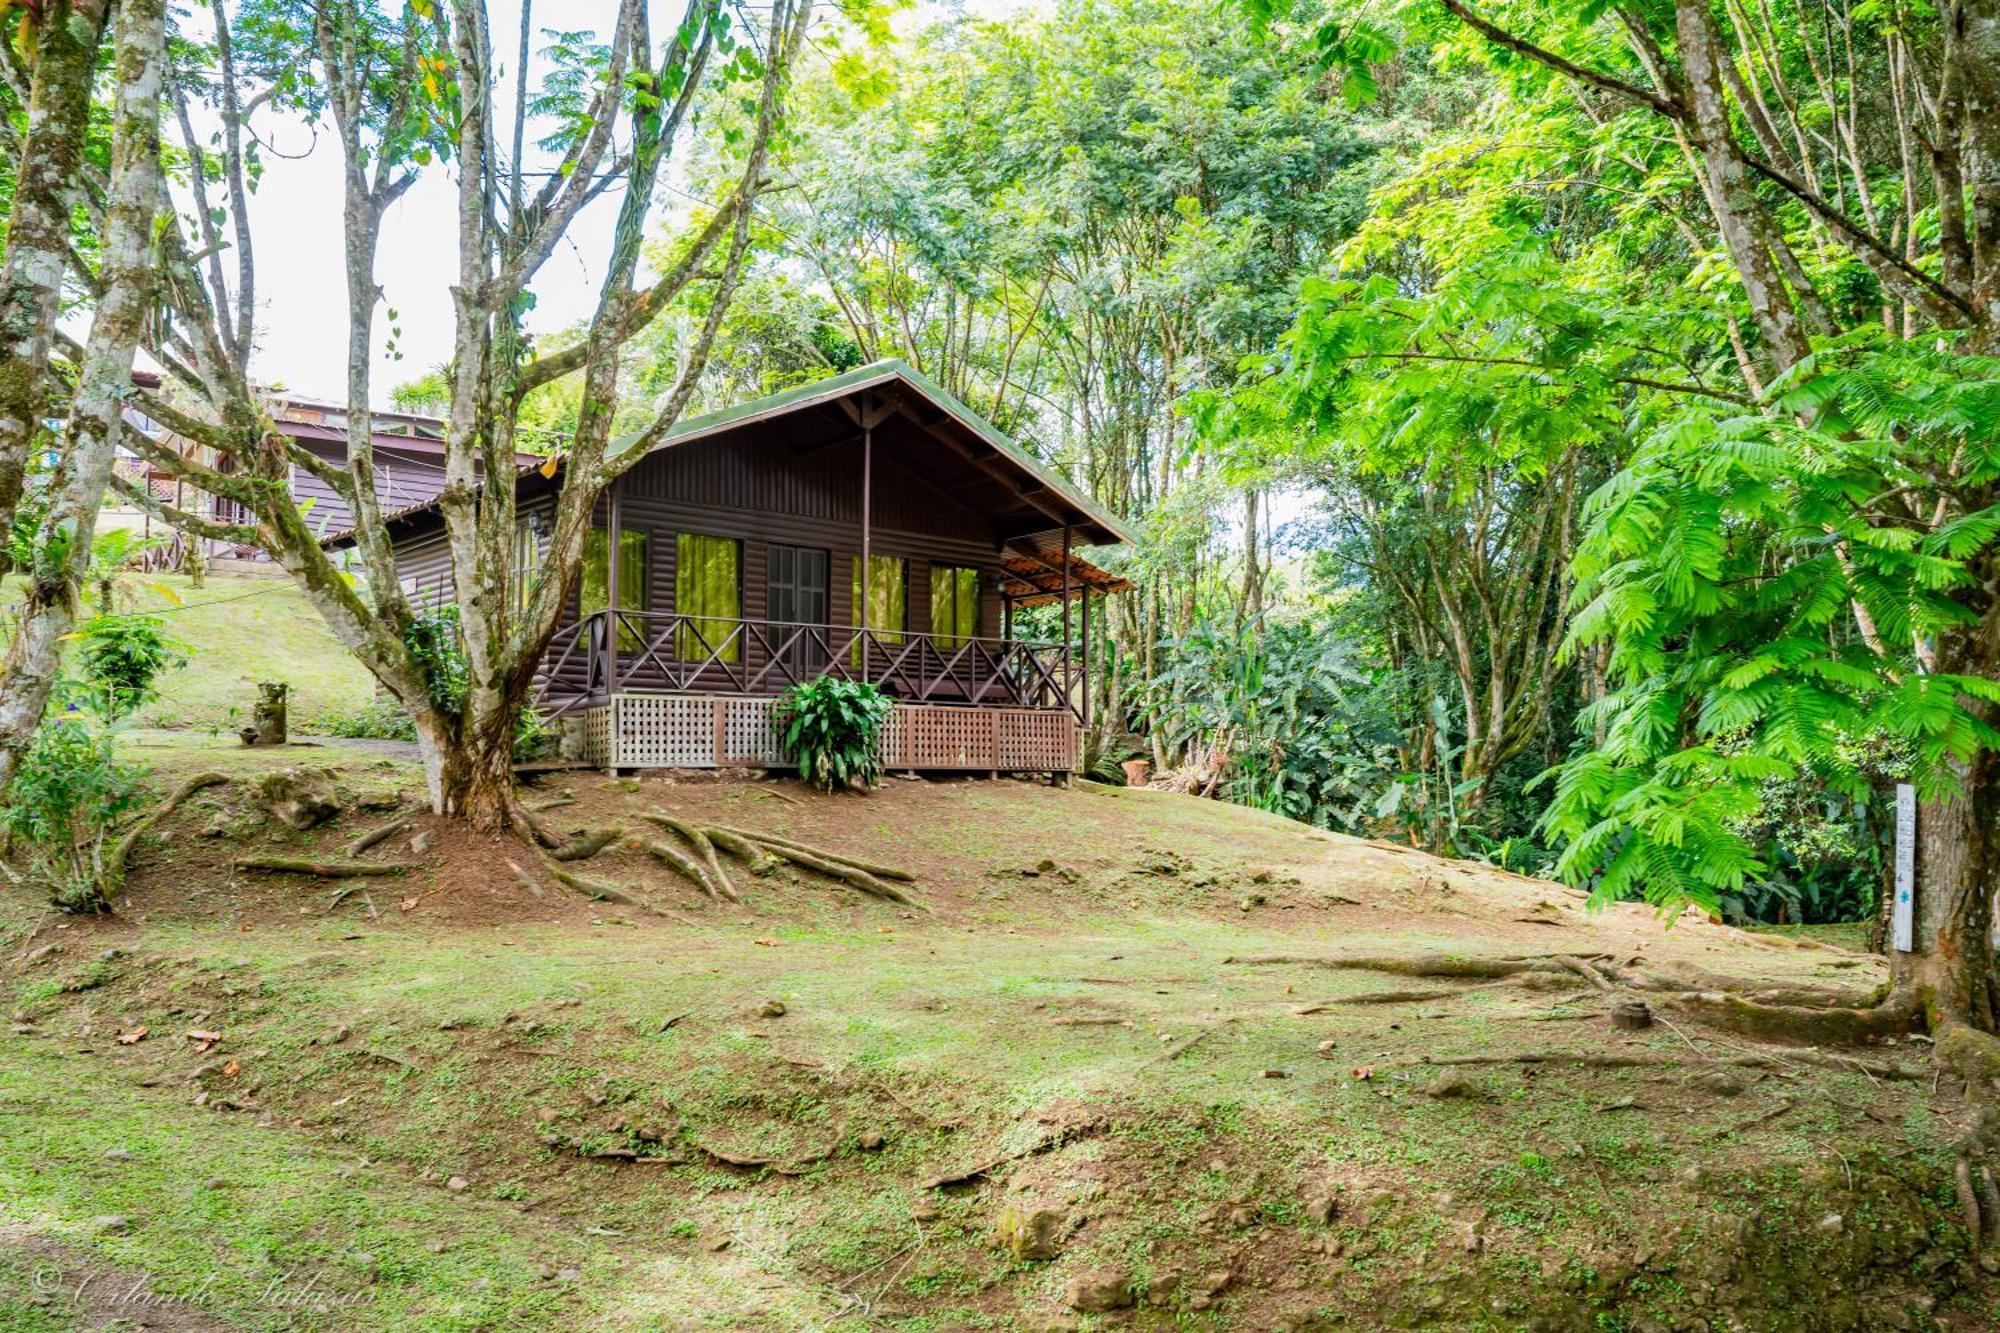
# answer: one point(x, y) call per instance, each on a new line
point(796, 594)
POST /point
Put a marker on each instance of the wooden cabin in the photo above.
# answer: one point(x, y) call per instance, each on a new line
point(868, 526)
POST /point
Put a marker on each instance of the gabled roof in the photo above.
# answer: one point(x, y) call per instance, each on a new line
point(893, 371)
point(1050, 495)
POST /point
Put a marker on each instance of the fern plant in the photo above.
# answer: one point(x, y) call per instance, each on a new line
point(1779, 590)
point(832, 729)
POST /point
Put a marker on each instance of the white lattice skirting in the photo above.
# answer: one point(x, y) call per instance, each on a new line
point(719, 731)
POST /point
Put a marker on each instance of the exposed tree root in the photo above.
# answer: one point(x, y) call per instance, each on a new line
point(1588, 973)
point(776, 842)
point(1423, 965)
point(1387, 997)
point(701, 862)
point(681, 863)
point(524, 879)
point(1793, 1022)
point(759, 861)
point(1612, 1060)
point(1972, 1054)
point(284, 865)
point(377, 836)
point(596, 890)
point(586, 844)
point(1793, 1014)
point(861, 879)
point(121, 851)
point(704, 849)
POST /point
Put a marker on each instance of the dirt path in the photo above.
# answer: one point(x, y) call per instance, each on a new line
point(44, 1279)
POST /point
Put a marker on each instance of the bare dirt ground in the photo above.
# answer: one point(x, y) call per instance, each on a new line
point(1117, 1066)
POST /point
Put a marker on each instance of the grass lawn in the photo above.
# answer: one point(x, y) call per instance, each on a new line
point(1103, 1064)
point(241, 631)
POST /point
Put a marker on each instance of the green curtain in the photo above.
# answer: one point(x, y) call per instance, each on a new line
point(888, 602)
point(708, 585)
point(631, 579)
point(527, 565)
point(954, 605)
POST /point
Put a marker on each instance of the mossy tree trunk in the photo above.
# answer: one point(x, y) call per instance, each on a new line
point(47, 178)
point(126, 276)
point(393, 114)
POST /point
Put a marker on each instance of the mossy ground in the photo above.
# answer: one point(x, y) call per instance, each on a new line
point(641, 1144)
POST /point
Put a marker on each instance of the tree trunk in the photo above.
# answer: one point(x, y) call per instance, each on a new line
point(1950, 972)
point(1951, 969)
point(469, 772)
point(38, 231)
point(62, 546)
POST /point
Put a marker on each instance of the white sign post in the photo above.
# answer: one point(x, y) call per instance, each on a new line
point(1903, 914)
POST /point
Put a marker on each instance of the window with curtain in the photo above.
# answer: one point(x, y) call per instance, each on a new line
point(527, 564)
point(888, 601)
point(954, 605)
point(708, 586)
point(594, 594)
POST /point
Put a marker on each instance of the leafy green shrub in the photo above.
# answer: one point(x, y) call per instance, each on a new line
point(120, 658)
point(1287, 711)
point(68, 795)
point(831, 729)
point(380, 719)
point(434, 640)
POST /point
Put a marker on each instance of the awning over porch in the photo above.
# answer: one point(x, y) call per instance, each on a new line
point(1037, 580)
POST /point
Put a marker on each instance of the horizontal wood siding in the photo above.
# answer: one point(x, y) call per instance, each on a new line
point(755, 486)
point(402, 479)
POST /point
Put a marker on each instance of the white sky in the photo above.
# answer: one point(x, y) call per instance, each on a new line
point(301, 297)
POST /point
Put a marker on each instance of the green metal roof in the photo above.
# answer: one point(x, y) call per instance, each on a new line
point(868, 376)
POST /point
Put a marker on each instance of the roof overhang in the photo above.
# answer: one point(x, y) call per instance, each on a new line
point(1047, 506)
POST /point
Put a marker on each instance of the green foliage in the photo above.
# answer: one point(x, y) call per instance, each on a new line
point(1283, 708)
point(381, 718)
point(434, 641)
point(120, 659)
point(1730, 568)
point(69, 794)
point(832, 729)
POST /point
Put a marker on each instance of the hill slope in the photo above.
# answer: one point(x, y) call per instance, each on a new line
point(1106, 1072)
point(240, 631)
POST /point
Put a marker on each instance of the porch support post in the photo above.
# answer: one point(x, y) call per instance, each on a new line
point(867, 536)
point(611, 545)
point(1069, 683)
point(1086, 657)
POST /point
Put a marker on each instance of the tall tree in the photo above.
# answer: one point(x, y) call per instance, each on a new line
point(402, 91)
point(61, 39)
point(1797, 124)
point(126, 277)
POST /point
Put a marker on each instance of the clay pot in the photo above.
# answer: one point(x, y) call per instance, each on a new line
point(1136, 771)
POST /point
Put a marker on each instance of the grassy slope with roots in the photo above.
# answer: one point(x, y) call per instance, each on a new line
point(449, 1100)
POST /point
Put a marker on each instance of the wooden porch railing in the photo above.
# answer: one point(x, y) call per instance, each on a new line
point(707, 655)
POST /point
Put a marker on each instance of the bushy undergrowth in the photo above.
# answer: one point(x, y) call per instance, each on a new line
point(832, 729)
point(68, 796)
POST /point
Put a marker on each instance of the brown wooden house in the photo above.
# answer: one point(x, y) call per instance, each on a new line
point(745, 540)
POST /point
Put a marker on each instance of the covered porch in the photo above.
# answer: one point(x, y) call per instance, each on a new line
point(948, 531)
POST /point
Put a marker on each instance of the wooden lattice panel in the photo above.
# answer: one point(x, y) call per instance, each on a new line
point(932, 737)
point(1036, 740)
point(707, 731)
point(597, 737)
point(748, 734)
point(666, 730)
